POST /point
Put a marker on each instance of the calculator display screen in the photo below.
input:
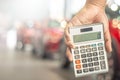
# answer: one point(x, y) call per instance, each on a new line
point(87, 37)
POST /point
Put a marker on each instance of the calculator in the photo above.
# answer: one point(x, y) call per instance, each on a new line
point(89, 54)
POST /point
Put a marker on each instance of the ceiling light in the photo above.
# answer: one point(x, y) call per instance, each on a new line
point(114, 7)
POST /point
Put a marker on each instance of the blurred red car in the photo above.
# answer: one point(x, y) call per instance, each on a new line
point(52, 40)
point(46, 39)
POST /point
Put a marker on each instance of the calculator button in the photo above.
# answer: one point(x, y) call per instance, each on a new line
point(82, 47)
point(89, 59)
point(96, 63)
point(94, 49)
point(100, 48)
point(77, 57)
point(101, 53)
point(88, 50)
point(79, 71)
point(85, 65)
point(76, 51)
point(95, 54)
point(89, 54)
point(77, 61)
point(97, 68)
point(76, 47)
point(87, 46)
point(100, 44)
point(91, 69)
point(102, 63)
point(85, 70)
point(101, 57)
point(82, 51)
point(95, 59)
point(84, 60)
point(78, 66)
point(93, 45)
point(83, 56)
point(103, 67)
point(90, 64)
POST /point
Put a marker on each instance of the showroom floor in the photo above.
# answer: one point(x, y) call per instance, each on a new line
point(17, 65)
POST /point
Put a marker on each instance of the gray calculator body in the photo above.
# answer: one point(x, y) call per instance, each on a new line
point(89, 54)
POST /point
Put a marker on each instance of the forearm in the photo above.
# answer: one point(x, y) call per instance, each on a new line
point(99, 3)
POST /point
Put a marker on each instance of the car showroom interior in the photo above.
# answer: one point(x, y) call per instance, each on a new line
point(32, 40)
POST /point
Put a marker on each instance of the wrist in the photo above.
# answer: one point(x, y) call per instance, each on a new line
point(98, 3)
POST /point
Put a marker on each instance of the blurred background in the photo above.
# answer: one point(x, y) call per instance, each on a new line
point(31, 38)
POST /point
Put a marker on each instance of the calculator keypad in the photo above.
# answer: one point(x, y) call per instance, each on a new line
point(89, 58)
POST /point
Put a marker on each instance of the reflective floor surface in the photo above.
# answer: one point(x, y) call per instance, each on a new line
point(17, 65)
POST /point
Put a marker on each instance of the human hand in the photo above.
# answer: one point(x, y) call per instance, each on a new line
point(88, 15)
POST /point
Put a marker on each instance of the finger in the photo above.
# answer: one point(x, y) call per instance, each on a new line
point(66, 32)
point(108, 42)
point(68, 54)
point(67, 37)
point(107, 35)
point(69, 43)
point(73, 22)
